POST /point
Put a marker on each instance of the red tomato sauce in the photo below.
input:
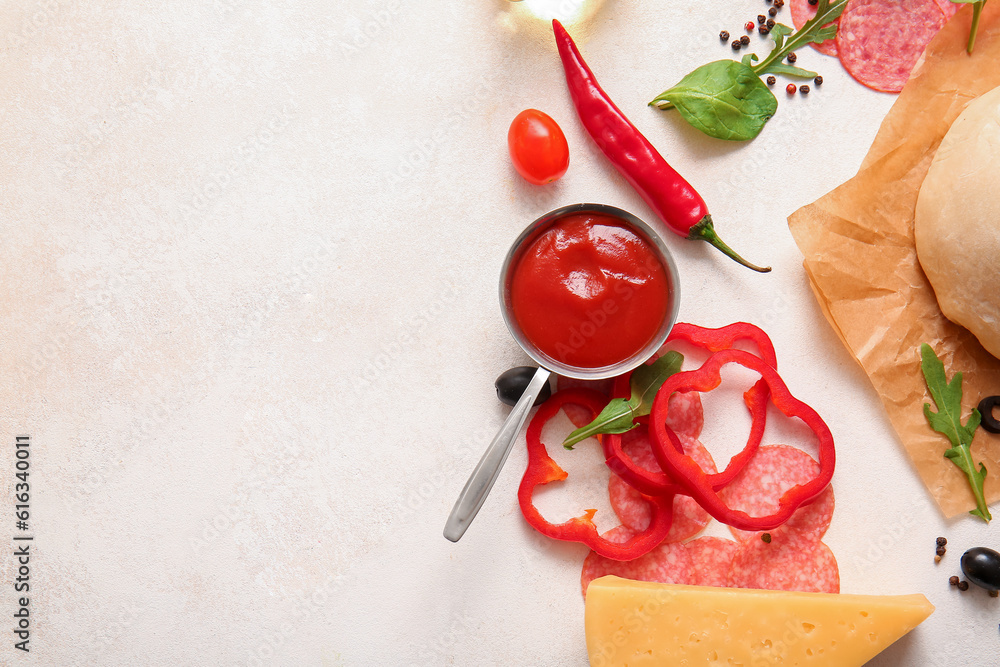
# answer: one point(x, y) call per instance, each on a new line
point(589, 291)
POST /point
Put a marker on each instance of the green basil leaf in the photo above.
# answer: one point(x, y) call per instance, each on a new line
point(749, 59)
point(724, 99)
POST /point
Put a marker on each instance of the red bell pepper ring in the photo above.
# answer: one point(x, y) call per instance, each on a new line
point(723, 338)
point(713, 340)
point(667, 447)
point(542, 470)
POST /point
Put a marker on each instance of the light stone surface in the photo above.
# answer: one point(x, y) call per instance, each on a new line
point(250, 323)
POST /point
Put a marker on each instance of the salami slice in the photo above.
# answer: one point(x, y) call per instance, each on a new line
point(632, 507)
point(802, 11)
point(880, 41)
point(757, 489)
point(948, 7)
point(711, 560)
point(785, 566)
point(685, 414)
point(666, 564)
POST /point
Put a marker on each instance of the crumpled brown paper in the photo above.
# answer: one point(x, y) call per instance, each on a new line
point(862, 264)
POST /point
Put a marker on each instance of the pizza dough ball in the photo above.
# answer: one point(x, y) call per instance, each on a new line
point(957, 223)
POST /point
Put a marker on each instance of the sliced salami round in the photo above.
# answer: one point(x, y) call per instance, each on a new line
point(685, 414)
point(785, 566)
point(711, 560)
point(880, 41)
point(948, 7)
point(666, 564)
point(802, 11)
point(757, 489)
point(633, 509)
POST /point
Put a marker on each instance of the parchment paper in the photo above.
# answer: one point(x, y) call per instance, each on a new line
point(862, 264)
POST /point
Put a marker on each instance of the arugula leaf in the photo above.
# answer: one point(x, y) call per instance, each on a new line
point(817, 29)
point(619, 414)
point(790, 70)
point(778, 34)
point(724, 99)
point(948, 421)
point(977, 10)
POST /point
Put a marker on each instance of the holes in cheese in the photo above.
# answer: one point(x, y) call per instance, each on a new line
point(640, 623)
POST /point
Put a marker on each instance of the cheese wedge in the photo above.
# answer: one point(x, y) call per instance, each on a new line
point(639, 624)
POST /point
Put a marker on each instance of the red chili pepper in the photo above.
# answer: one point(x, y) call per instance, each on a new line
point(669, 454)
point(666, 191)
point(542, 470)
point(713, 340)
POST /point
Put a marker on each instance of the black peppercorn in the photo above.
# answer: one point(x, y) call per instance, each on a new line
point(818, 80)
point(813, 2)
point(940, 551)
point(779, 3)
point(792, 57)
point(941, 541)
point(805, 91)
point(770, 24)
point(744, 40)
point(761, 18)
point(724, 35)
point(766, 537)
point(771, 80)
point(737, 44)
point(762, 29)
point(963, 585)
point(772, 12)
point(994, 594)
point(953, 580)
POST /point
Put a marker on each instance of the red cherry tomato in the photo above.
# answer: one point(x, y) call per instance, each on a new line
point(538, 147)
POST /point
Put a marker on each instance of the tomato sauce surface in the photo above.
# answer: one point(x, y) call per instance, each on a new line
point(589, 291)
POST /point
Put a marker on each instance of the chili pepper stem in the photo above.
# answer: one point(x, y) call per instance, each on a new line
point(704, 230)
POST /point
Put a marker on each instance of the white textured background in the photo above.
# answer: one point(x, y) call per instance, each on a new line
point(250, 254)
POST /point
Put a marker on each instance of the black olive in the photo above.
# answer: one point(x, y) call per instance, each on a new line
point(986, 410)
point(981, 566)
point(511, 384)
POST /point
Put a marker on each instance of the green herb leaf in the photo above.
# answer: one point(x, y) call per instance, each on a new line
point(619, 414)
point(647, 380)
point(789, 70)
point(778, 34)
point(817, 29)
point(948, 421)
point(727, 100)
point(724, 99)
